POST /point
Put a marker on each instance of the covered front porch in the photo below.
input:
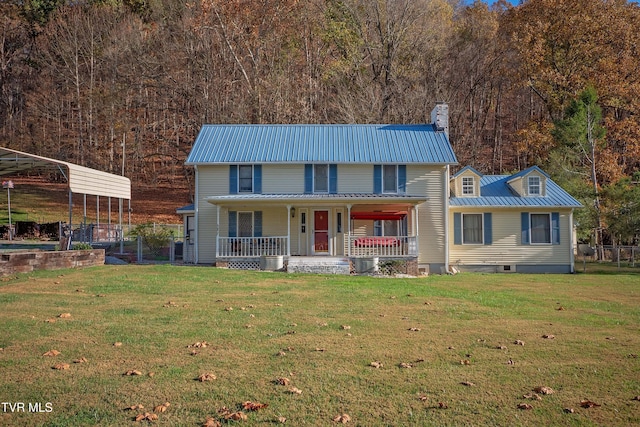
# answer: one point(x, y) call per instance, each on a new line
point(253, 226)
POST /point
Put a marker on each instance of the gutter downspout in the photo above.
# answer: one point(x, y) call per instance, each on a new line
point(196, 210)
point(446, 218)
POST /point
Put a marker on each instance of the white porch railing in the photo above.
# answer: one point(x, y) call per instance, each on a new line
point(251, 246)
point(384, 246)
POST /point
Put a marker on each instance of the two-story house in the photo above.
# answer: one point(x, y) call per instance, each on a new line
point(335, 191)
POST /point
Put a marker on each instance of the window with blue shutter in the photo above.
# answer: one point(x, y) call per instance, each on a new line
point(488, 229)
point(555, 228)
point(257, 224)
point(377, 179)
point(402, 178)
point(233, 224)
point(524, 227)
point(333, 179)
point(233, 179)
point(457, 228)
point(308, 179)
point(257, 179)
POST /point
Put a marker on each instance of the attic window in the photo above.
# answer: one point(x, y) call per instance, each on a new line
point(534, 186)
point(468, 187)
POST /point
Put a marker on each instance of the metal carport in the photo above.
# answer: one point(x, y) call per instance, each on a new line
point(80, 179)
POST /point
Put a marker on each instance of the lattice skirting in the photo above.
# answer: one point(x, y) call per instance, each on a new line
point(244, 265)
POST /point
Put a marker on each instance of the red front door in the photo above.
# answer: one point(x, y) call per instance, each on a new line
point(321, 231)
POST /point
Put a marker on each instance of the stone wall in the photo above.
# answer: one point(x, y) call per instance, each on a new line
point(28, 261)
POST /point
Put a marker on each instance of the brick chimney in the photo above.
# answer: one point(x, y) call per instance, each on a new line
point(440, 117)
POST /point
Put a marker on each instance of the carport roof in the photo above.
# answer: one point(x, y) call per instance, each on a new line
point(80, 179)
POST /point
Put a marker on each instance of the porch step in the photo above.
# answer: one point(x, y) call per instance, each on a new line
point(319, 265)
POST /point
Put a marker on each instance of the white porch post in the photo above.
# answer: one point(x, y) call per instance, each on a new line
point(416, 233)
point(348, 230)
point(217, 230)
point(446, 191)
point(571, 243)
point(288, 230)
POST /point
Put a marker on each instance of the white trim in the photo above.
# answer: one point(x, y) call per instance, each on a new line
point(446, 188)
point(462, 215)
point(571, 243)
point(531, 242)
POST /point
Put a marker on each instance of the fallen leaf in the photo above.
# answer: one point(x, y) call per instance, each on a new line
point(151, 374)
point(524, 406)
point(198, 344)
point(532, 396)
point(211, 422)
point(467, 383)
point(544, 390)
point(162, 408)
point(64, 315)
point(465, 362)
point(442, 405)
point(51, 353)
point(548, 337)
point(281, 353)
point(61, 366)
point(422, 397)
point(236, 416)
point(569, 410)
point(501, 347)
point(405, 365)
point(636, 398)
point(342, 419)
point(589, 404)
point(320, 349)
point(147, 416)
point(117, 344)
point(282, 381)
point(50, 320)
point(134, 407)
point(414, 329)
point(228, 309)
point(518, 342)
point(295, 390)
point(510, 362)
point(561, 308)
point(132, 372)
point(81, 360)
point(253, 406)
point(376, 364)
point(345, 327)
point(206, 377)
point(281, 420)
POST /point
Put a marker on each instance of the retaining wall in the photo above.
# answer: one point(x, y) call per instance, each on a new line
point(28, 261)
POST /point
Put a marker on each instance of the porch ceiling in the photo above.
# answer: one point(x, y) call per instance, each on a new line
point(311, 199)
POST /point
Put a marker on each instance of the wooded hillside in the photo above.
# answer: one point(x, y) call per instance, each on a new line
point(129, 82)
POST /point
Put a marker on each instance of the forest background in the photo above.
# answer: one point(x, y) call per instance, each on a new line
point(554, 83)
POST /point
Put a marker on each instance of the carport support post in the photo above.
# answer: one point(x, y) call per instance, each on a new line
point(349, 230)
point(120, 223)
point(70, 212)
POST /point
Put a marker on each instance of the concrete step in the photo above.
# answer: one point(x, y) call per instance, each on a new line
point(319, 265)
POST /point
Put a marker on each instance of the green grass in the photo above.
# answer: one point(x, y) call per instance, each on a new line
point(462, 317)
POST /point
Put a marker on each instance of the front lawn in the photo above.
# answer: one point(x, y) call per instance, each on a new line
point(443, 350)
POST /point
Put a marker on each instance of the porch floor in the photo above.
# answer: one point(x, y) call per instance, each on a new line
point(319, 264)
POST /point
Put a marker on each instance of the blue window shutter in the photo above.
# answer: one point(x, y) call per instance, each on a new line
point(233, 179)
point(333, 179)
point(402, 178)
point(257, 179)
point(377, 179)
point(233, 224)
point(377, 227)
point(555, 228)
point(525, 227)
point(308, 179)
point(457, 228)
point(488, 229)
point(257, 224)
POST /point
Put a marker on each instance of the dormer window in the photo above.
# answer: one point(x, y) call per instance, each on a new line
point(468, 186)
point(534, 186)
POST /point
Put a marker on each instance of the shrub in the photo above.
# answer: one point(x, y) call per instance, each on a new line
point(154, 238)
point(82, 247)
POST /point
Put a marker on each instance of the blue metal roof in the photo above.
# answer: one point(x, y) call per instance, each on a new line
point(496, 192)
point(347, 143)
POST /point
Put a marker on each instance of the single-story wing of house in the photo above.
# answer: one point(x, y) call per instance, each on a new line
point(314, 193)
